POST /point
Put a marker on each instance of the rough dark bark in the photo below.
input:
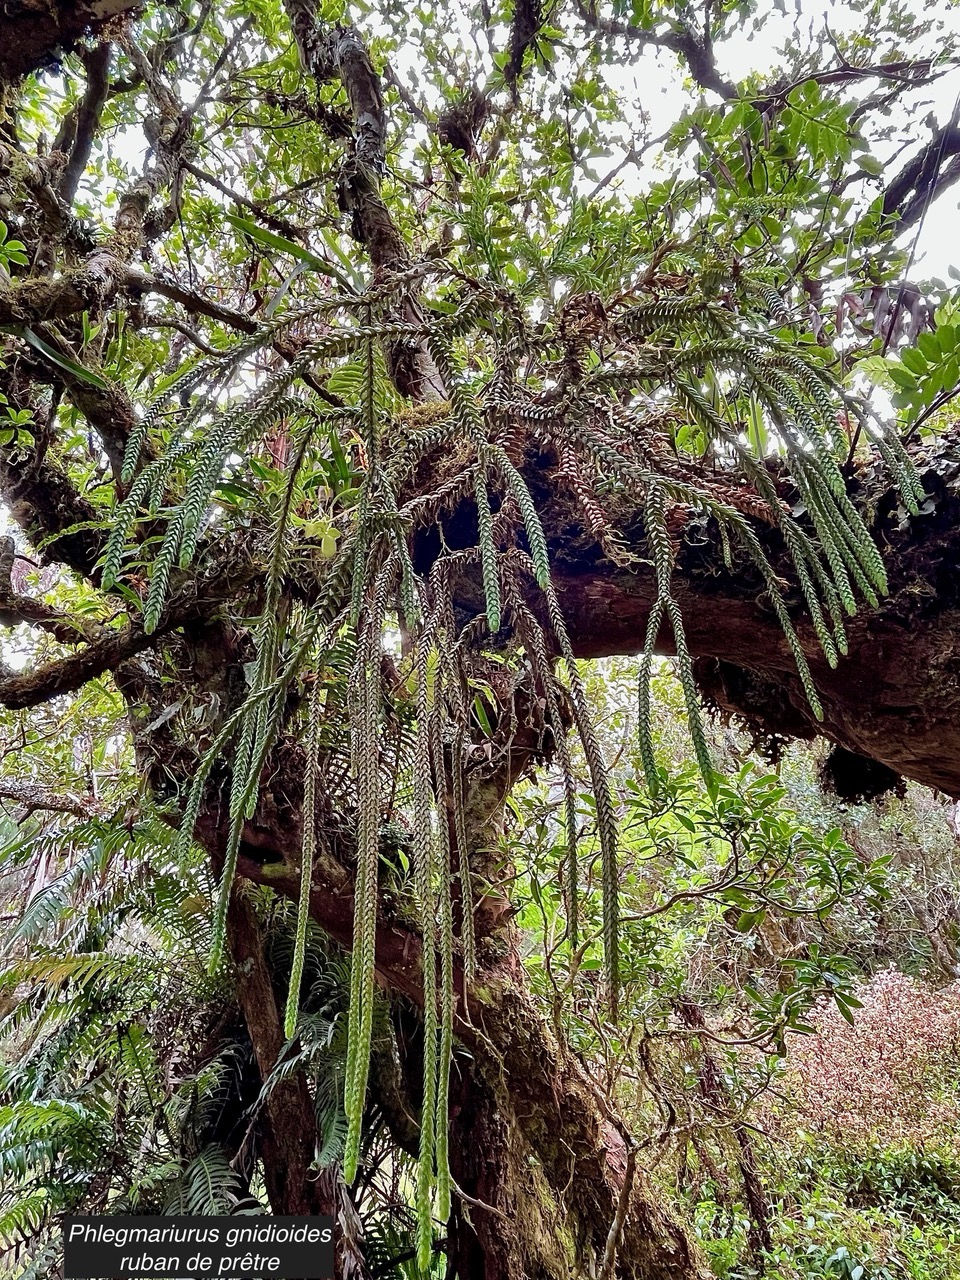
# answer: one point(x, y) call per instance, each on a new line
point(40, 496)
point(929, 173)
point(507, 1231)
point(894, 699)
point(289, 1133)
point(340, 53)
point(38, 33)
point(288, 1126)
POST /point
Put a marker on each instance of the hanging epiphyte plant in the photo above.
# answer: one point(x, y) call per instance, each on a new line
point(606, 388)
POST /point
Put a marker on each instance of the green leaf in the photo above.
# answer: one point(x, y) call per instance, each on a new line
point(903, 377)
point(930, 345)
point(914, 360)
point(747, 919)
point(78, 371)
point(946, 338)
point(271, 240)
point(480, 711)
point(845, 1011)
point(871, 165)
point(15, 251)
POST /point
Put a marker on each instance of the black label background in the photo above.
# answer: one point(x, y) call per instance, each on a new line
point(86, 1260)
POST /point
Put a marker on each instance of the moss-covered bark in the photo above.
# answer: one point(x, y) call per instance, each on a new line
point(895, 697)
point(38, 32)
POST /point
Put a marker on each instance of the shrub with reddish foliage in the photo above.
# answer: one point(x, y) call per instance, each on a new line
point(889, 1079)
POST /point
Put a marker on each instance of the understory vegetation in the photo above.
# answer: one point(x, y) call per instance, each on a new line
point(812, 1130)
point(789, 1040)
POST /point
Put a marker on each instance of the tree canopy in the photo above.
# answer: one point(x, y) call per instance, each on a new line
point(364, 371)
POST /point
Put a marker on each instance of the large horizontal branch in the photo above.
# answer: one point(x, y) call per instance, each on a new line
point(65, 675)
point(895, 698)
point(30, 797)
point(92, 285)
point(194, 600)
point(38, 35)
point(85, 288)
point(16, 608)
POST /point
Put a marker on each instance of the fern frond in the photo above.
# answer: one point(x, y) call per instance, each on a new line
point(365, 749)
point(424, 879)
point(488, 551)
point(308, 841)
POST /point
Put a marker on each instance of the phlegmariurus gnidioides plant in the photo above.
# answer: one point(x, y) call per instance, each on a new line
point(391, 628)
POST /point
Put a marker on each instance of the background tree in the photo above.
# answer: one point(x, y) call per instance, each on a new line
point(350, 407)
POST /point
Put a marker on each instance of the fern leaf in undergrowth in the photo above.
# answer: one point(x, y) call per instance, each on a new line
point(208, 1185)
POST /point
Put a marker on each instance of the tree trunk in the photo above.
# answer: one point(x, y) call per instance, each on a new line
point(287, 1127)
point(531, 1136)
